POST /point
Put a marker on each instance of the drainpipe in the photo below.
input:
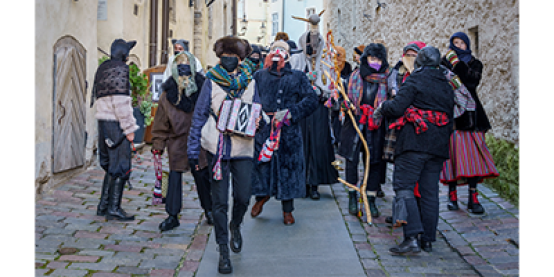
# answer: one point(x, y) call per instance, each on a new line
point(165, 30)
point(153, 32)
point(235, 23)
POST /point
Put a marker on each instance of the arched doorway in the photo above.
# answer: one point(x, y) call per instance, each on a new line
point(69, 105)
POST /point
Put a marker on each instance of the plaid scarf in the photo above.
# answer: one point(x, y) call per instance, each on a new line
point(234, 83)
point(367, 117)
point(356, 87)
point(419, 117)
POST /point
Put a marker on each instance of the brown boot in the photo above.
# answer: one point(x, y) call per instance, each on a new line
point(288, 218)
point(258, 207)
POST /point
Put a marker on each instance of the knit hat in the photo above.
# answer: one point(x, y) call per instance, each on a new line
point(182, 42)
point(414, 45)
point(232, 45)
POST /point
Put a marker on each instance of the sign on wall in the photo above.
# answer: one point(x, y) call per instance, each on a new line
point(102, 13)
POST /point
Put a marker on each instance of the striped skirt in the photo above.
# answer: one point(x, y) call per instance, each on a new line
point(469, 157)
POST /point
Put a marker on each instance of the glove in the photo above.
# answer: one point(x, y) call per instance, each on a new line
point(156, 151)
point(280, 115)
point(193, 163)
point(377, 113)
point(452, 57)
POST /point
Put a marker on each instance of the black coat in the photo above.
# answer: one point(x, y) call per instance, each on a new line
point(470, 75)
point(375, 139)
point(426, 89)
point(284, 175)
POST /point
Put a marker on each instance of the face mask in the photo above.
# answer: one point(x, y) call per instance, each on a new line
point(375, 66)
point(255, 60)
point(409, 63)
point(229, 63)
point(184, 70)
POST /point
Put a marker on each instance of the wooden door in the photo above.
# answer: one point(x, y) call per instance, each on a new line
point(69, 105)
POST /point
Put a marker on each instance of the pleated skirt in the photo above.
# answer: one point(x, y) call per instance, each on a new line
point(469, 157)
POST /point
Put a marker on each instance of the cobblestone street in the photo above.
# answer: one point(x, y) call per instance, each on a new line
point(70, 240)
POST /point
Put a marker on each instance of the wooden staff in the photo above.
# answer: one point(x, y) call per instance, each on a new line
point(349, 110)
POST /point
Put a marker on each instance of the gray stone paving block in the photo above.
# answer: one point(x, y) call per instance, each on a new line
point(58, 231)
point(417, 269)
point(68, 273)
point(132, 270)
point(46, 249)
point(165, 252)
point(172, 240)
point(402, 274)
point(80, 221)
point(111, 261)
point(366, 254)
point(370, 264)
point(45, 257)
point(93, 266)
point(159, 264)
point(41, 272)
point(133, 256)
point(127, 237)
point(81, 227)
point(101, 253)
point(391, 269)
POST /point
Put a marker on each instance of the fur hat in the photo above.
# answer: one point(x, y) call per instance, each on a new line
point(232, 45)
point(281, 36)
point(376, 50)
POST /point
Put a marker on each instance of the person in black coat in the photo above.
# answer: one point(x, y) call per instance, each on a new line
point(367, 89)
point(470, 160)
point(424, 106)
point(281, 90)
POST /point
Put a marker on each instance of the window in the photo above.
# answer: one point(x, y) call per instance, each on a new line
point(474, 40)
point(135, 9)
point(275, 23)
point(172, 11)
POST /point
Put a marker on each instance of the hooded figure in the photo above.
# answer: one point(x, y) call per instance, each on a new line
point(283, 91)
point(316, 128)
point(256, 58)
point(171, 128)
point(367, 89)
point(423, 109)
point(180, 46)
point(471, 161)
point(116, 127)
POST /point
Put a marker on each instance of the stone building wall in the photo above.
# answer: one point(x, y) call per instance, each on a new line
point(496, 22)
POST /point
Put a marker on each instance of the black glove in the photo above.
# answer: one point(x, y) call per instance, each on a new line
point(193, 164)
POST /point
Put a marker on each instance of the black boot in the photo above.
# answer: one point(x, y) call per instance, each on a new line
point(353, 202)
point(169, 223)
point(224, 260)
point(372, 207)
point(410, 244)
point(209, 217)
point(236, 238)
point(104, 196)
point(452, 198)
point(307, 191)
point(314, 194)
point(388, 219)
point(114, 203)
point(426, 246)
point(473, 205)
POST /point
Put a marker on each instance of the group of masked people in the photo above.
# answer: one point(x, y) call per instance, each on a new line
point(429, 102)
point(423, 115)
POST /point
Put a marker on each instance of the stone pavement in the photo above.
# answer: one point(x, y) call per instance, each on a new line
point(467, 245)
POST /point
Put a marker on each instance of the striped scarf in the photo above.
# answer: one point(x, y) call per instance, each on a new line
point(356, 87)
point(221, 77)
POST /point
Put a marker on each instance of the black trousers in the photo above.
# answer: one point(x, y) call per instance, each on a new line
point(241, 171)
point(174, 197)
point(412, 167)
point(115, 161)
point(286, 205)
point(375, 171)
point(203, 187)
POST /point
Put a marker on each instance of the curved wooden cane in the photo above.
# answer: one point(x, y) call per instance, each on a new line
point(338, 84)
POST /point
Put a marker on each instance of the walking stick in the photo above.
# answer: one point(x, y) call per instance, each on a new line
point(350, 107)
